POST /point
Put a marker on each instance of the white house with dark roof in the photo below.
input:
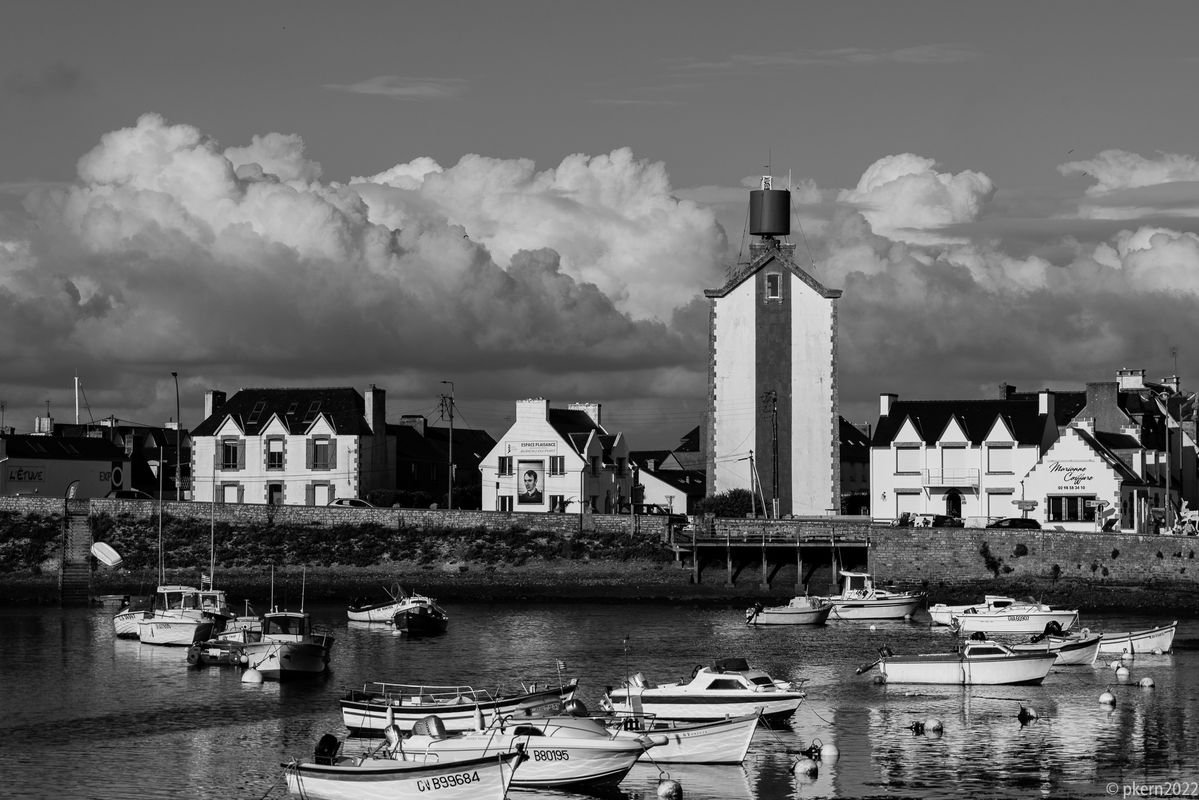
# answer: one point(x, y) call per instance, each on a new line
point(555, 460)
point(291, 446)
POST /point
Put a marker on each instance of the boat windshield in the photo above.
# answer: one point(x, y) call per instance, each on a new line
point(762, 680)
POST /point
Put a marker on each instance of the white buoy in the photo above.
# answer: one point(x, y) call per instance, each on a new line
point(829, 752)
point(243, 659)
point(932, 724)
point(670, 789)
point(251, 676)
point(478, 718)
point(1146, 683)
point(936, 733)
point(880, 679)
point(389, 717)
point(1115, 665)
point(1026, 715)
point(873, 628)
point(1126, 656)
point(804, 766)
point(1122, 674)
point(1107, 699)
point(1157, 651)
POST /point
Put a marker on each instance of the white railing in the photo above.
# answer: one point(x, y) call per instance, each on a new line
point(951, 477)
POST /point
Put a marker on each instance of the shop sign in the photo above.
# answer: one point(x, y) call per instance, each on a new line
point(543, 448)
point(1071, 477)
point(26, 473)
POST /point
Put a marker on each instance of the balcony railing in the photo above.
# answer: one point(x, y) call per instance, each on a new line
point(959, 477)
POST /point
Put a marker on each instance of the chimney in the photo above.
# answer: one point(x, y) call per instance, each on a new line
point(376, 409)
point(214, 402)
point(590, 409)
point(884, 403)
point(533, 409)
point(414, 421)
point(1006, 390)
point(1129, 379)
point(1173, 383)
point(1045, 403)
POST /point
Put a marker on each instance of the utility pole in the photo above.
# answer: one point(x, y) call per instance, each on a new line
point(447, 407)
point(178, 449)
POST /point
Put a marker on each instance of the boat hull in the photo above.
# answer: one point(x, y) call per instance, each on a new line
point(587, 762)
point(776, 707)
point(942, 614)
point(279, 660)
point(124, 623)
point(723, 741)
point(953, 669)
point(420, 621)
point(485, 778)
point(1014, 621)
point(1150, 640)
point(173, 631)
point(793, 615)
point(368, 713)
point(1070, 651)
point(877, 608)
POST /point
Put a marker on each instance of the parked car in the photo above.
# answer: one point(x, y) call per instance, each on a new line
point(350, 502)
point(934, 521)
point(1015, 522)
point(128, 494)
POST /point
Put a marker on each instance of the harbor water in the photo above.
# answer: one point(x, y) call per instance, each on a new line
point(86, 715)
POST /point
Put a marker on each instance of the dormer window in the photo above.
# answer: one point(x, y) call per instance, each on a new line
point(774, 286)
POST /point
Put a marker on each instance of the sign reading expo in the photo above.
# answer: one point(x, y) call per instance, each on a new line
point(26, 473)
point(1071, 477)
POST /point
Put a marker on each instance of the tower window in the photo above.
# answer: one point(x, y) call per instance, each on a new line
point(774, 286)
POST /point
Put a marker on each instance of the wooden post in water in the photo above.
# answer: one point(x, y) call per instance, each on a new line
point(799, 584)
point(728, 561)
point(765, 584)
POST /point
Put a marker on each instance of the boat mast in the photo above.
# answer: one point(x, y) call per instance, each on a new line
point(161, 568)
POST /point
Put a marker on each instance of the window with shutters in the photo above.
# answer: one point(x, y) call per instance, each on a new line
point(322, 453)
point(505, 502)
point(557, 465)
point(505, 465)
point(232, 454)
point(274, 453)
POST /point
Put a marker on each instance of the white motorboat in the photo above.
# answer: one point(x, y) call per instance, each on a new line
point(975, 663)
point(1149, 640)
point(802, 610)
point(366, 610)
point(1080, 649)
point(723, 741)
point(1023, 617)
point(728, 688)
point(943, 614)
point(381, 775)
point(180, 616)
point(288, 646)
point(133, 608)
point(861, 599)
point(368, 711)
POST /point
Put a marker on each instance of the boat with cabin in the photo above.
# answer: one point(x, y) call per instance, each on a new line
point(861, 598)
point(975, 663)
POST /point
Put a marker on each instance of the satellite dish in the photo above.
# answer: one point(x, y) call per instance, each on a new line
point(106, 555)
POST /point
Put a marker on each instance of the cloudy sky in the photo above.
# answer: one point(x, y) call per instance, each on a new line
point(529, 198)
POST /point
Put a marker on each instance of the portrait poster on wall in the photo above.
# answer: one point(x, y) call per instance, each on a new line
point(531, 482)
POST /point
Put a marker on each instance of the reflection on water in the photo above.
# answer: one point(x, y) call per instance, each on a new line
point(118, 718)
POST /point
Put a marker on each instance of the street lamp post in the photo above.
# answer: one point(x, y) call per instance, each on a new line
point(178, 449)
point(449, 499)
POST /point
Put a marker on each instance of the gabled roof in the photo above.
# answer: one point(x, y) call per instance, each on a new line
point(576, 427)
point(253, 409)
point(62, 448)
point(770, 251)
point(930, 418)
point(1066, 405)
point(1113, 461)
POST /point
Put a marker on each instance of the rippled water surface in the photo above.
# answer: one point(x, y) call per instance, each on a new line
point(86, 715)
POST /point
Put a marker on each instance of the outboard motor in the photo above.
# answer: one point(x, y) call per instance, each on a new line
point(431, 726)
point(326, 750)
point(575, 708)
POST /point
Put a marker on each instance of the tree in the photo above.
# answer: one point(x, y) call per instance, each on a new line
point(733, 503)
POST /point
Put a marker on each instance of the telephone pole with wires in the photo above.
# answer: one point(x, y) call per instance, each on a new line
point(447, 409)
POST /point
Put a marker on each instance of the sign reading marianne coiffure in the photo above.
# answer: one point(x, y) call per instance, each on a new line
point(533, 448)
point(1071, 476)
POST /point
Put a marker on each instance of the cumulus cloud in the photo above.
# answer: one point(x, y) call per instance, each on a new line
point(238, 263)
point(1128, 185)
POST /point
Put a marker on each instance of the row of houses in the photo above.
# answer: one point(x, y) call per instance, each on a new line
point(1115, 456)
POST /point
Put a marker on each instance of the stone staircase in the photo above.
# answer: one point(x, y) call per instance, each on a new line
point(75, 575)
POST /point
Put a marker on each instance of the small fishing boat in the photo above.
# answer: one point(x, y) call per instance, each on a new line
point(382, 775)
point(562, 752)
point(975, 663)
point(1023, 617)
point(727, 688)
point(178, 618)
point(420, 616)
point(861, 599)
point(722, 741)
point(363, 609)
point(943, 614)
point(288, 646)
point(1080, 649)
point(368, 711)
point(133, 608)
point(798, 611)
point(1149, 640)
